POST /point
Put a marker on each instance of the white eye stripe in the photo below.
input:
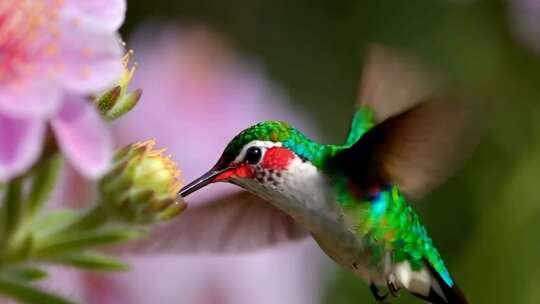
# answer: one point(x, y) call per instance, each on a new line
point(264, 145)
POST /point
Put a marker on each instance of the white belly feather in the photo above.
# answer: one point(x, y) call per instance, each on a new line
point(304, 193)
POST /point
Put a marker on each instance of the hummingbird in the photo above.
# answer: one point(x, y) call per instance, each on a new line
point(353, 197)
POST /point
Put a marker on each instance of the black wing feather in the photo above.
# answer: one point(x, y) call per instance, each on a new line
point(416, 149)
point(451, 295)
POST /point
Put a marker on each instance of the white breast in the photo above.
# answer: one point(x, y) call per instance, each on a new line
point(301, 191)
point(305, 194)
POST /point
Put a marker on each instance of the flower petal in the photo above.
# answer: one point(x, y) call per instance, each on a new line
point(64, 281)
point(32, 97)
point(100, 14)
point(21, 141)
point(87, 61)
point(83, 136)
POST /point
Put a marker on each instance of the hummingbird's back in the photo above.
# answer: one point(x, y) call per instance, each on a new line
point(365, 174)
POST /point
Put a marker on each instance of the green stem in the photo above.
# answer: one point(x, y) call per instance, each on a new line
point(12, 207)
point(20, 213)
point(88, 220)
point(44, 179)
point(28, 294)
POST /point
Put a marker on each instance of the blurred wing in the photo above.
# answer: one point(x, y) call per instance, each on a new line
point(417, 142)
point(392, 82)
point(237, 222)
point(417, 149)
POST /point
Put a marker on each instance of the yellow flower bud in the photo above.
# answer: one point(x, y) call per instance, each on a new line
point(142, 185)
point(117, 101)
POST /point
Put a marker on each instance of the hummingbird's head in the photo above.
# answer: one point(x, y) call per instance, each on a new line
point(268, 159)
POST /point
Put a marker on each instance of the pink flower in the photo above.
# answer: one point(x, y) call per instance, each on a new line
point(197, 96)
point(53, 54)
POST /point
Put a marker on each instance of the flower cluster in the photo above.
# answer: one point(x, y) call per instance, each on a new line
point(63, 75)
point(53, 55)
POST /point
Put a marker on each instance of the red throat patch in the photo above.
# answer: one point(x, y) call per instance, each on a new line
point(277, 158)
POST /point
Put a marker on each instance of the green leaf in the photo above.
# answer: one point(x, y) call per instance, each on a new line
point(54, 221)
point(92, 261)
point(19, 249)
point(11, 209)
point(61, 243)
point(29, 294)
point(25, 273)
point(124, 105)
point(43, 183)
point(108, 99)
point(89, 219)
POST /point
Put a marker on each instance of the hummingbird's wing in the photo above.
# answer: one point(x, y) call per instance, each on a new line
point(393, 82)
point(420, 136)
point(416, 150)
point(237, 222)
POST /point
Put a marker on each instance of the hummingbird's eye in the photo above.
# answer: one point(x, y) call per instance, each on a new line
point(253, 155)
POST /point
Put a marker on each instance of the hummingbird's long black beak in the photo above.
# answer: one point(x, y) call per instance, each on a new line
point(200, 182)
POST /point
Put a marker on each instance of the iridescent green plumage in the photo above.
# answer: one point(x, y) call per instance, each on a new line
point(386, 222)
point(290, 137)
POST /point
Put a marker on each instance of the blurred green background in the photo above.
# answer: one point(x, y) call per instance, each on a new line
point(486, 219)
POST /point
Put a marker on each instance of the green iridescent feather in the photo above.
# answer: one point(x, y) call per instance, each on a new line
point(291, 138)
point(363, 120)
point(390, 224)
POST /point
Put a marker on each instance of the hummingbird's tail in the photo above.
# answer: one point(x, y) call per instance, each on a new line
point(440, 292)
